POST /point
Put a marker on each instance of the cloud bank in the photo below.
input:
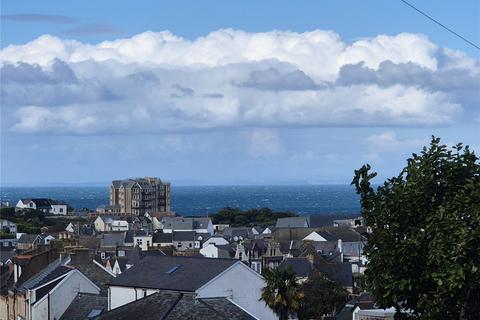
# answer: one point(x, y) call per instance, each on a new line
point(160, 83)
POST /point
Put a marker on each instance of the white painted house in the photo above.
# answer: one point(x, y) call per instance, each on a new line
point(45, 205)
point(58, 207)
point(219, 241)
point(119, 225)
point(110, 223)
point(207, 278)
point(199, 225)
point(143, 241)
point(6, 224)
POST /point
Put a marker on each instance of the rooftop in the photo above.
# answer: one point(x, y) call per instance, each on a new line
point(300, 266)
point(292, 222)
point(177, 306)
point(53, 271)
point(83, 305)
point(172, 273)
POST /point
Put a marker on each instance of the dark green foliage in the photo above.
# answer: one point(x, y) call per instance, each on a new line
point(6, 235)
point(282, 293)
point(252, 217)
point(424, 251)
point(7, 212)
point(30, 221)
point(322, 297)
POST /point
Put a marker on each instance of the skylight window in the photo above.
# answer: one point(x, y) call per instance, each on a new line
point(172, 269)
point(94, 312)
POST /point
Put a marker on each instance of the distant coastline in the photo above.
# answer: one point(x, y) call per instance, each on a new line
point(336, 200)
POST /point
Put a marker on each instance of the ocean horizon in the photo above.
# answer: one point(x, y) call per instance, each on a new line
point(208, 199)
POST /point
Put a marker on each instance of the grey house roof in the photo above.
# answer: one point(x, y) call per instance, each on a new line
point(82, 306)
point(243, 232)
point(96, 274)
point(53, 271)
point(292, 222)
point(6, 255)
point(177, 306)
point(112, 239)
point(346, 234)
point(181, 223)
point(41, 203)
point(160, 237)
point(184, 236)
point(172, 273)
point(27, 238)
point(300, 266)
point(226, 250)
point(340, 273)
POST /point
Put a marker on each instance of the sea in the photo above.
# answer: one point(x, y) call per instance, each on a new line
point(205, 200)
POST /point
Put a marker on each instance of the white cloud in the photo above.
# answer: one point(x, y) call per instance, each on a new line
point(228, 46)
point(158, 82)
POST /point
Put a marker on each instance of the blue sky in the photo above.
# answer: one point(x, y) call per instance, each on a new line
point(246, 92)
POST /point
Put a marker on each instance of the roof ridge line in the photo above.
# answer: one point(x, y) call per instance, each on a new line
point(180, 297)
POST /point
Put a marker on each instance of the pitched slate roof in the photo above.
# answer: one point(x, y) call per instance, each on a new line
point(184, 236)
point(185, 223)
point(346, 234)
point(243, 232)
point(6, 255)
point(160, 237)
point(112, 239)
point(319, 220)
point(226, 250)
point(300, 266)
point(172, 273)
point(177, 306)
point(341, 273)
point(83, 304)
point(96, 274)
point(40, 202)
point(292, 222)
point(27, 238)
point(181, 224)
point(326, 247)
point(53, 271)
point(259, 245)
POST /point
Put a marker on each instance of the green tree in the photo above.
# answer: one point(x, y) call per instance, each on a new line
point(251, 217)
point(424, 248)
point(282, 293)
point(322, 297)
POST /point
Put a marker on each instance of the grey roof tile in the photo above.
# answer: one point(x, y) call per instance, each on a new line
point(83, 304)
point(177, 306)
point(52, 271)
point(292, 222)
point(340, 273)
point(160, 237)
point(187, 273)
point(300, 266)
point(184, 236)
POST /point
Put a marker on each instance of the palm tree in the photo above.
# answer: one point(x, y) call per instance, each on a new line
point(282, 293)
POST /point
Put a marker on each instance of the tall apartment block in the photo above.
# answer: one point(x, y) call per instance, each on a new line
point(140, 195)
